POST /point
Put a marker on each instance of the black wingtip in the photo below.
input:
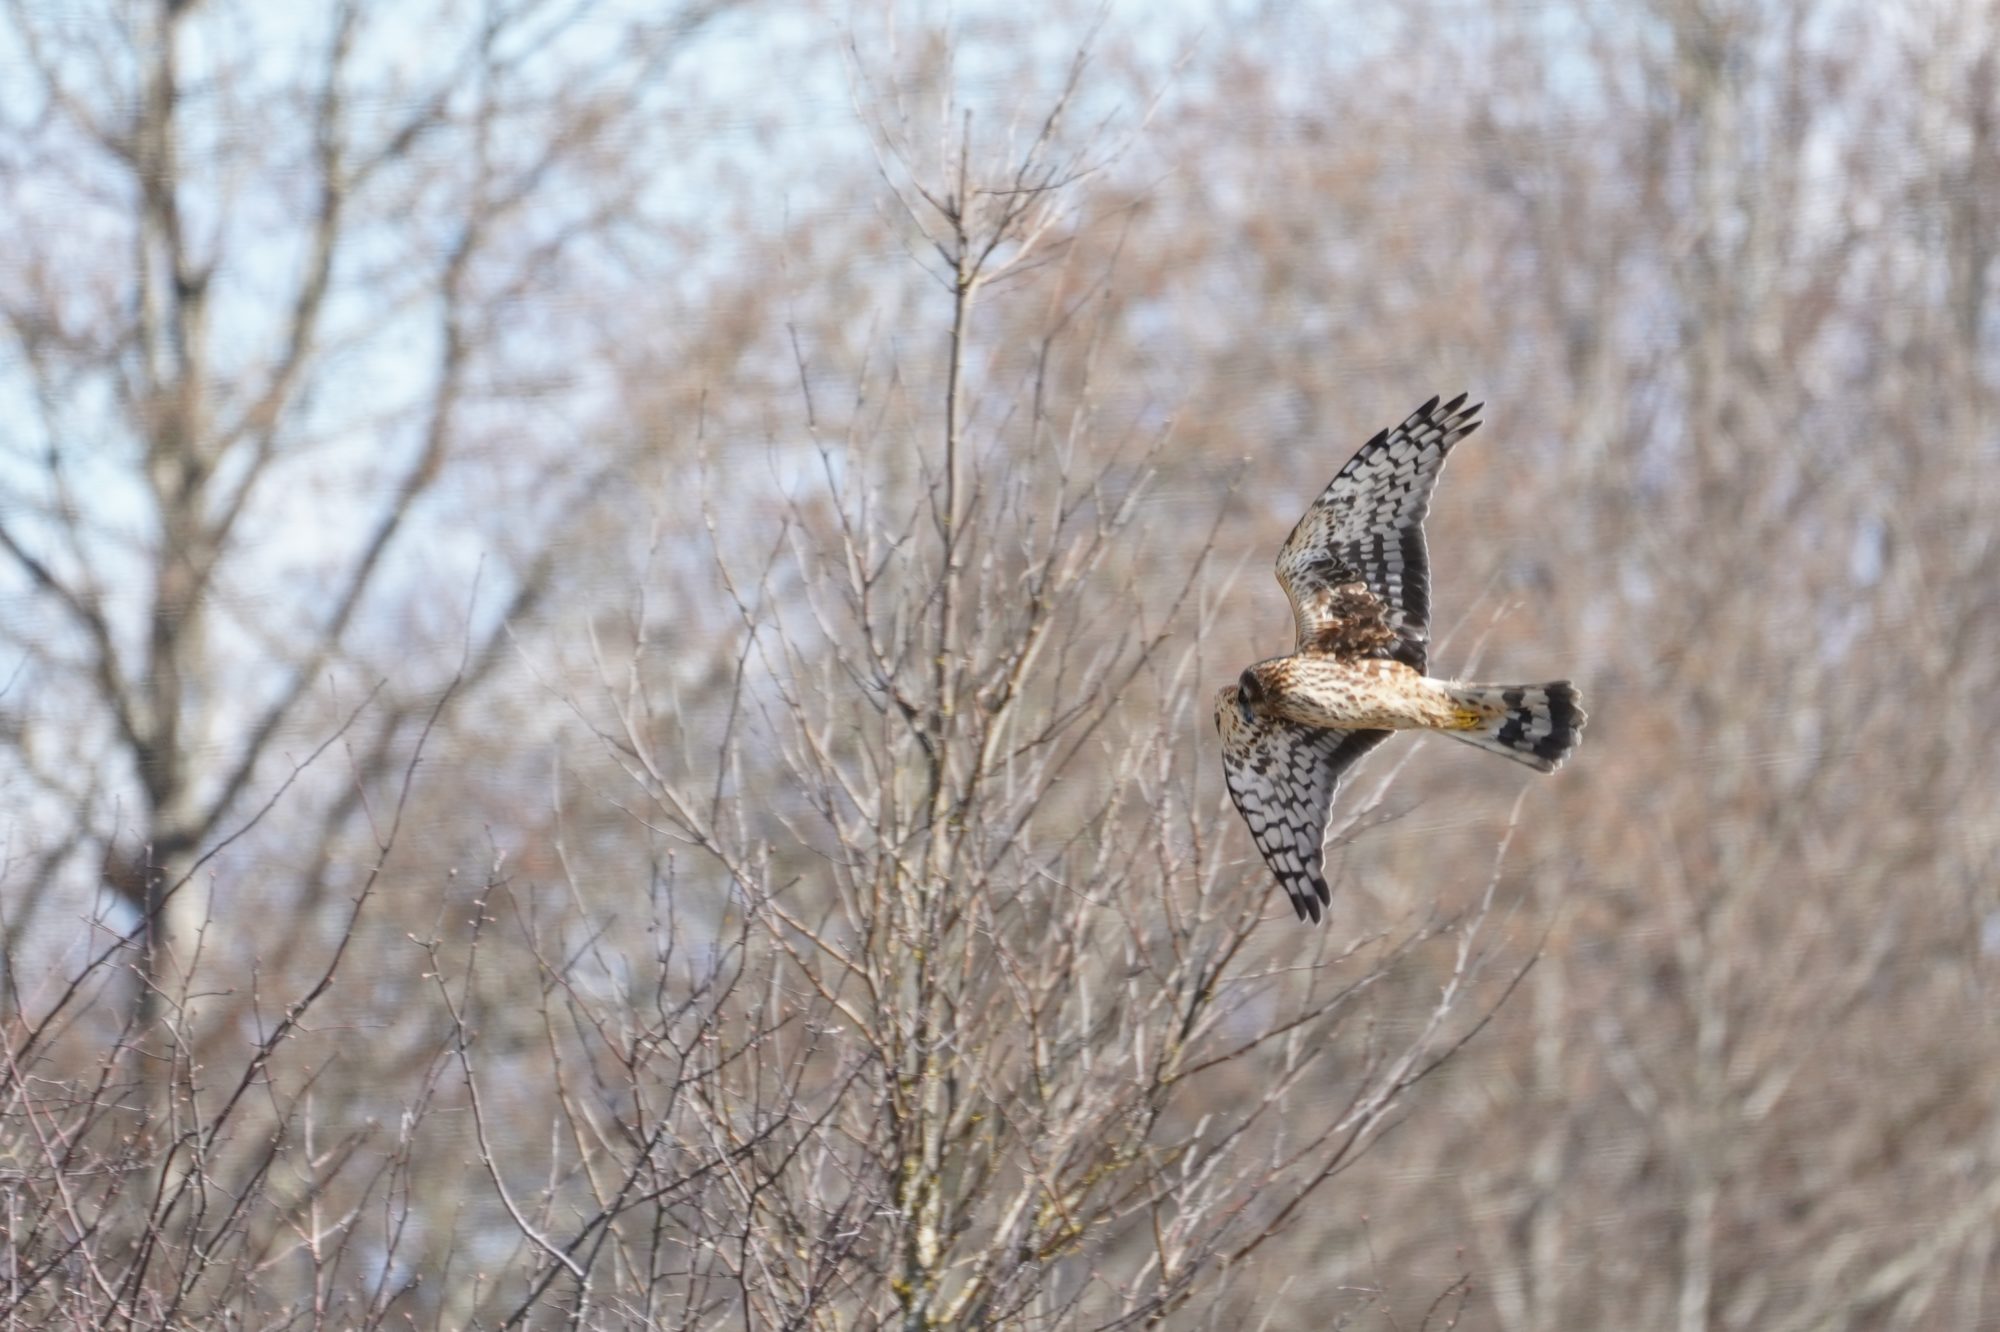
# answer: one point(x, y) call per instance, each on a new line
point(1312, 903)
point(1459, 423)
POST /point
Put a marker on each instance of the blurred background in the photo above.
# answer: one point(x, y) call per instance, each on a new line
point(417, 416)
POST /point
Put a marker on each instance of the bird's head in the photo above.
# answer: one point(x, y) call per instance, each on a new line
point(1236, 705)
point(1249, 694)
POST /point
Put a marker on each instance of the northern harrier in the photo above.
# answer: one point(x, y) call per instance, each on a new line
point(1358, 575)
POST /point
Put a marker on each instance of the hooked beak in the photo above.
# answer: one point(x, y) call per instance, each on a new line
point(1243, 709)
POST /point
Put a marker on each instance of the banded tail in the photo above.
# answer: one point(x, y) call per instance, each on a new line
point(1533, 724)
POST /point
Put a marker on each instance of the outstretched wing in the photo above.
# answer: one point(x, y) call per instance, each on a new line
point(1367, 528)
point(1282, 777)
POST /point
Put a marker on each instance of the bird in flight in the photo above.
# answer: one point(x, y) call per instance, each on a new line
point(1358, 574)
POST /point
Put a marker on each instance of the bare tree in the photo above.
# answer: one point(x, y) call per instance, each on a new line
point(1022, 1061)
point(190, 378)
